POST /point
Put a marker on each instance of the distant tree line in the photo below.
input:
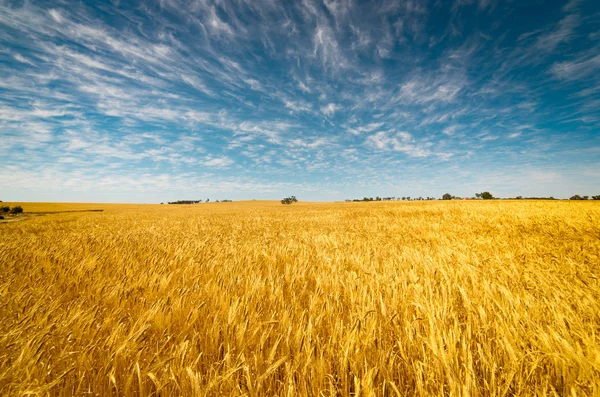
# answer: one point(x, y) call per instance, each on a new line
point(14, 210)
point(197, 201)
point(531, 198)
point(393, 198)
point(478, 196)
point(578, 197)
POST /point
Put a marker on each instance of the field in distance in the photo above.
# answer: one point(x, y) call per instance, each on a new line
point(258, 298)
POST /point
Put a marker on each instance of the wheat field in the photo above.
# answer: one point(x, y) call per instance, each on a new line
point(494, 298)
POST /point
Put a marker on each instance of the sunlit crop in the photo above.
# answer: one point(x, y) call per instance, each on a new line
point(258, 298)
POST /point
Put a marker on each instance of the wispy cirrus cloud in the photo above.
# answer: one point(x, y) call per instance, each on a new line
point(398, 141)
point(577, 69)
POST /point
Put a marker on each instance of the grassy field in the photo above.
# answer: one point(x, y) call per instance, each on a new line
point(257, 298)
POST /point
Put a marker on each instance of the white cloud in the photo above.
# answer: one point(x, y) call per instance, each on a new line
point(39, 110)
point(56, 16)
point(365, 128)
point(398, 142)
point(22, 59)
point(218, 162)
point(270, 131)
point(577, 69)
point(326, 47)
point(571, 5)
point(198, 84)
point(563, 33)
point(298, 106)
point(303, 87)
point(422, 90)
point(330, 109)
point(316, 143)
point(254, 84)
point(216, 25)
point(450, 130)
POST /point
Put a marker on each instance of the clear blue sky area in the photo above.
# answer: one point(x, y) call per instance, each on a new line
point(129, 101)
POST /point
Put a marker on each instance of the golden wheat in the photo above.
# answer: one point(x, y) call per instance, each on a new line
point(257, 298)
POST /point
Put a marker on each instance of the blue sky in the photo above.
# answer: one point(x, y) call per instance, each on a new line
point(154, 101)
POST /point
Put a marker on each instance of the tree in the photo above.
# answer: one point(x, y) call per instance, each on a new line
point(289, 200)
point(484, 195)
point(576, 197)
point(5, 209)
point(447, 196)
point(596, 197)
point(16, 210)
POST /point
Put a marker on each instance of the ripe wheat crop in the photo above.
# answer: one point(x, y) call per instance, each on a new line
point(453, 298)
